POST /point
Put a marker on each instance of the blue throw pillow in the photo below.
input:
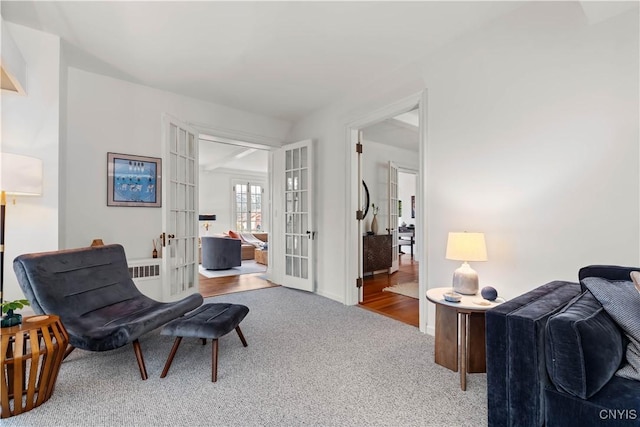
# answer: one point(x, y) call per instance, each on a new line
point(621, 300)
point(584, 347)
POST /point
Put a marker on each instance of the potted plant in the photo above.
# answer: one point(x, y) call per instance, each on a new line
point(11, 318)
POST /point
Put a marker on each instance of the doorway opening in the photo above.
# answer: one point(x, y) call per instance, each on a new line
point(377, 167)
point(234, 203)
point(389, 164)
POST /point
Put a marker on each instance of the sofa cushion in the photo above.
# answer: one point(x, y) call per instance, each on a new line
point(621, 300)
point(584, 347)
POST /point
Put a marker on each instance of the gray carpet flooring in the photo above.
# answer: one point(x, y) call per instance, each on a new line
point(310, 362)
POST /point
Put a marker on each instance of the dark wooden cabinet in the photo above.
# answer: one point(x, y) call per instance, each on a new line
point(376, 252)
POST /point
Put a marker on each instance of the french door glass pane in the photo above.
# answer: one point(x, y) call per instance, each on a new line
point(173, 139)
point(182, 142)
point(289, 265)
point(191, 151)
point(296, 158)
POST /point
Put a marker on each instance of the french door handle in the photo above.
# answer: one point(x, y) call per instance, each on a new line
point(311, 234)
point(164, 237)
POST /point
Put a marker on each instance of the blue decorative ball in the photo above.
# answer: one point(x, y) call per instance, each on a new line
point(489, 293)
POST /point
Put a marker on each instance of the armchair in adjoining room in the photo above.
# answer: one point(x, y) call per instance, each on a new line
point(220, 253)
point(91, 290)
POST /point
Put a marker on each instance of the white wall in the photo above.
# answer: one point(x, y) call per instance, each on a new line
point(375, 173)
point(110, 115)
point(30, 126)
point(532, 138)
point(406, 189)
point(217, 198)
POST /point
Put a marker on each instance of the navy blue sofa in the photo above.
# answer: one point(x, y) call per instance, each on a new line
point(558, 372)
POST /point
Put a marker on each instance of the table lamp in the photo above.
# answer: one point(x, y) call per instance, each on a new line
point(19, 176)
point(206, 219)
point(466, 247)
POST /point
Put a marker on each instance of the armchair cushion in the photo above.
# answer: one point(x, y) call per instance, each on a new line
point(584, 347)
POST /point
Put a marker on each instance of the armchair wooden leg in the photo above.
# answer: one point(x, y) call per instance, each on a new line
point(70, 348)
point(214, 360)
point(138, 351)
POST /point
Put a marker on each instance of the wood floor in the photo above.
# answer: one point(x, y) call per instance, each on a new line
point(399, 307)
point(210, 287)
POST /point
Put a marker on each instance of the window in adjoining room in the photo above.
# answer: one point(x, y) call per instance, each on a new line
point(248, 207)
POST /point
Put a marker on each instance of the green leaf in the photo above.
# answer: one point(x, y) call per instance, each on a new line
point(14, 305)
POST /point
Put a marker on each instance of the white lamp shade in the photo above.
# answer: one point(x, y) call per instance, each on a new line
point(20, 175)
point(466, 247)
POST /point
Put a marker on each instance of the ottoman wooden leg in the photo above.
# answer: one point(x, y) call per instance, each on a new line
point(174, 349)
point(214, 360)
point(244, 342)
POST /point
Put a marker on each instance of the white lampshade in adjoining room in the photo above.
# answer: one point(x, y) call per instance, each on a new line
point(466, 247)
point(20, 175)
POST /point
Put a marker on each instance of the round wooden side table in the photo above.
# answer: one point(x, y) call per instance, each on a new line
point(31, 354)
point(460, 346)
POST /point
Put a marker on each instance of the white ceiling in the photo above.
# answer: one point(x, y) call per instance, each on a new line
point(279, 59)
point(400, 131)
point(215, 157)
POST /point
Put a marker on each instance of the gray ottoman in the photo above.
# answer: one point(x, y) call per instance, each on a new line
point(208, 321)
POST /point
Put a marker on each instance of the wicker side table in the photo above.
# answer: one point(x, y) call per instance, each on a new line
point(261, 256)
point(31, 354)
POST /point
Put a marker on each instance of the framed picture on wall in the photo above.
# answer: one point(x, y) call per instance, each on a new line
point(134, 180)
point(413, 206)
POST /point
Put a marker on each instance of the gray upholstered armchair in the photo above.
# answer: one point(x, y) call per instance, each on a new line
point(90, 289)
point(221, 253)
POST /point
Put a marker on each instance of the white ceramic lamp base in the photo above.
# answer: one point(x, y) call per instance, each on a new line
point(465, 280)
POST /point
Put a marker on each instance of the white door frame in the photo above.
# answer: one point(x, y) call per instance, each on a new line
point(353, 269)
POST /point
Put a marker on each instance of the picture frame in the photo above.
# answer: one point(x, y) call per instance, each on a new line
point(134, 181)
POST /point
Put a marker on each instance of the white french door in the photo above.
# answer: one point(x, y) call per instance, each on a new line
point(393, 215)
point(179, 239)
point(298, 216)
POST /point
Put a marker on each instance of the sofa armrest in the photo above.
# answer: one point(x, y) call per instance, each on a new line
point(608, 272)
point(516, 370)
